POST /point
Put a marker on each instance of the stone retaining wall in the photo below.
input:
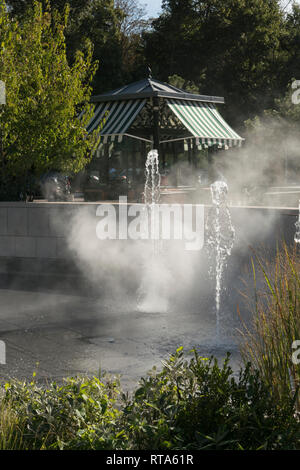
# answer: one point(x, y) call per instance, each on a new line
point(32, 240)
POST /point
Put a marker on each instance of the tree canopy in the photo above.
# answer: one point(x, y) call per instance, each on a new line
point(113, 27)
point(230, 48)
point(39, 125)
point(244, 50)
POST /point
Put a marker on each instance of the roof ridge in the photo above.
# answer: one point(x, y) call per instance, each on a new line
point(150, 83)
point(149, 87)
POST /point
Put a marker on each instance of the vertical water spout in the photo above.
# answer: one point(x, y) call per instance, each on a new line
point(152, 291)
point(152, 196)
point(220, 240)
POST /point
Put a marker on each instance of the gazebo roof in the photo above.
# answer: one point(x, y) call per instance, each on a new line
point(148, 88)
point(117, 112)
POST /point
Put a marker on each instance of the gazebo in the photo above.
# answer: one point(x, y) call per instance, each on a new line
point(151, 114)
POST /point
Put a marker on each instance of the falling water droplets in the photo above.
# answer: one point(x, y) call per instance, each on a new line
point(152, 198)
point(152, 181)
point(220, 240)
point(152, 295)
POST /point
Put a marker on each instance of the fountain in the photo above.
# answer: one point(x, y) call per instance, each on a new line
point(152, 197)
point(220, 240)
point(152, 182)
point(152, 291)
point(219, 243)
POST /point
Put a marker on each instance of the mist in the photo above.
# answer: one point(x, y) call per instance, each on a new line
point(121, 304)
point(127, 273)
point(268, 158)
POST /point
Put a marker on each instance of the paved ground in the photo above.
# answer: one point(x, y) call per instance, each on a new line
point(62, 333)
point(69, 328)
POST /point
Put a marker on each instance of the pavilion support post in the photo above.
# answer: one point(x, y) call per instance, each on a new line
point(143, 153)
point(209, 155)
point(133, 153)
point(127, 163)
point(189, 151)
point(156, 137)
point(194, 155)
point(163, 153)
point(174, 153)
point(210, 163)
point(106, 159)
point(175, 163)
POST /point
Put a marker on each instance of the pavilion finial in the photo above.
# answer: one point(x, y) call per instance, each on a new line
point(149, 72)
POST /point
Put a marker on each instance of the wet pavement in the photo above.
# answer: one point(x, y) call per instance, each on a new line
point(58, 334)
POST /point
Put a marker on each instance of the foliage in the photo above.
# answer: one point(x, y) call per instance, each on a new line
point(230, 49)
point(98, 22)
point(290, 46)
point(132, 25)
point(190, 404)
point(39, 125)
point(183, 84)
point(247, 51)
point(113, 27)
point(268, 344)
point(284, 116)
point(12, 428)
point(62, 416)
point(199, 405)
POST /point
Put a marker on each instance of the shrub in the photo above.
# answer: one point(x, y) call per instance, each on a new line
point(190, 404)
point(199, 405)
point(65, 416)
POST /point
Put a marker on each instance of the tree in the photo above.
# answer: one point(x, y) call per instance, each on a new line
point(98, 22)
point(133, 20)
point(132, 25)
point(19, 8)
point(290, 45)
point(230, 48)
point(183, 84)
point(95, 21)
point(39, 125)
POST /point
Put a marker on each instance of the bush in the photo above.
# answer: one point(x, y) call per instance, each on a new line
point(198, 405)
point(65, 416)
point(190, 404)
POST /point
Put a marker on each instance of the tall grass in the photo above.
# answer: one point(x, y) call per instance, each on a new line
point(12, 428)
point(276, 324)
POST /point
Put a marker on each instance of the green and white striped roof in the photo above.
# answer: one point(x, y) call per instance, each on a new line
point(205, 123)
point(115, 117)
point(116, 111)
